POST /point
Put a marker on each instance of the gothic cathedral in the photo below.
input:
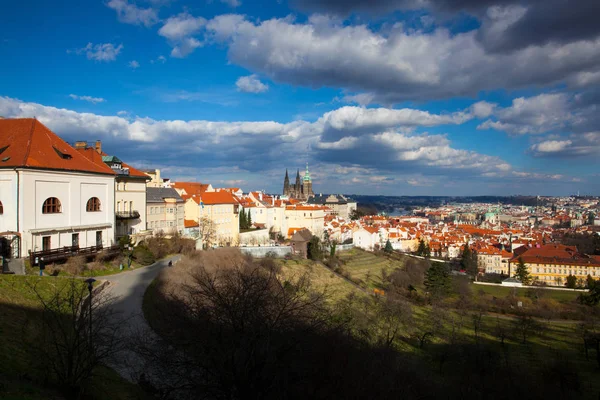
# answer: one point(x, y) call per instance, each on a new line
point(302, 189)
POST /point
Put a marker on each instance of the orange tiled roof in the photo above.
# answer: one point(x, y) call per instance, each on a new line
point(221, 197)
point(556, 254)
point(27, 143)
point(189, 223)
point(191, 188)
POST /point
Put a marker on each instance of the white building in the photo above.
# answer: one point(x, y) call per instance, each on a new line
point(51, 196)
point(366, 238)
point(130, 190)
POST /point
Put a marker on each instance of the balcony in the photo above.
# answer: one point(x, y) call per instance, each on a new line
point(127, 214)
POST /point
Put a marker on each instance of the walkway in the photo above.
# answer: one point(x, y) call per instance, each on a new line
point(128, 289)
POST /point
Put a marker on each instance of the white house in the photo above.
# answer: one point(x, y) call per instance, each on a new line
point(51, 196)
point(366, 238)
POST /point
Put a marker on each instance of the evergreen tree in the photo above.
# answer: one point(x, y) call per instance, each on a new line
point(522, 273)
point(243, 219)
point(249, 220)
point(388, 247)
point(427, 251)
point(571, 282)
point(468, 260)
point(437, 279)
point(421, 248)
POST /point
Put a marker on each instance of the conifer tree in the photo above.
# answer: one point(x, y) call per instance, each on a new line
point(388, 247)
point(421, 248)
point(522, 273)
point(437, 279)
point(243, 219)
point(249, 220)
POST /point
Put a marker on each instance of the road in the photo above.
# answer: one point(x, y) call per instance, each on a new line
point(127, 289)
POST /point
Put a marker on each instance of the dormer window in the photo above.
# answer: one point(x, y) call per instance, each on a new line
point(2, 149)
point(61, 154)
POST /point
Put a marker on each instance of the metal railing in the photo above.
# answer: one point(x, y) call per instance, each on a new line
point(127, 214)
point(61, 254)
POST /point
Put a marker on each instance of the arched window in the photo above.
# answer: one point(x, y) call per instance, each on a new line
point(51, 206)
point(1, 208)
point(93, 204)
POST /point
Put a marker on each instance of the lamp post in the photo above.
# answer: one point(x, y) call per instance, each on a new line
point(90, 282)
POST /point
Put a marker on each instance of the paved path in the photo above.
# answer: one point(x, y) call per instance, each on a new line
point(128, 290)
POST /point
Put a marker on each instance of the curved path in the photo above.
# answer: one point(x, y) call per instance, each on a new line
point(127, 289)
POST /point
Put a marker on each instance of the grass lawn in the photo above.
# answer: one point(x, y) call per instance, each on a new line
point(365, 267)
point(19, 378)
point(563, 296)
point(321, 277)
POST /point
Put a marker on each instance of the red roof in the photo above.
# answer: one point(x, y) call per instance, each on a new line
point(221, 197)
point(556, 254)
point(191, 188)
point(27, 143)
point(189, 223)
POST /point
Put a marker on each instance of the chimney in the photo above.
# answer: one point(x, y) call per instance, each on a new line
point(99, 146)
point(80, 144)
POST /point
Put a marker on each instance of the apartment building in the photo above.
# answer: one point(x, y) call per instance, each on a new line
point(221, 211)
point(299, 216)
point(164, 211)
point(552, 263)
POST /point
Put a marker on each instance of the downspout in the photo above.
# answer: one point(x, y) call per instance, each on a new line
point(18, 215)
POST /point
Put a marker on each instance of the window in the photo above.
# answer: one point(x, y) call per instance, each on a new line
point(75, 239)
point(46, 243)
point(51, 206)
point(1, 208)
point(93, 204)
point(98, 238)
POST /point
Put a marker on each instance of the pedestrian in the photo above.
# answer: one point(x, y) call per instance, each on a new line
point(170, 263)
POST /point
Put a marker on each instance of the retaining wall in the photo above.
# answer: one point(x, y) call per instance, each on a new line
point(260, 252)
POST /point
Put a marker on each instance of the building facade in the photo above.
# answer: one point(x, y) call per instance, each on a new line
point(337, 204)
point(219, 210)
point(164, 211)
point(51, 196)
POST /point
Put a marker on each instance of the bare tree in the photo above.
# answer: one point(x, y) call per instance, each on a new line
point(207, 230)
point(75, 335)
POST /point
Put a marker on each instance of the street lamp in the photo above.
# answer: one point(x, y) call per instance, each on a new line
point(90, 282)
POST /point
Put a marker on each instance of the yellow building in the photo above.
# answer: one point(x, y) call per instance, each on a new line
point(552, 263)
point(221, 210)
point(304, 216)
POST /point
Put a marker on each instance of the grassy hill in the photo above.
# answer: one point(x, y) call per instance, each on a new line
point(20, 377)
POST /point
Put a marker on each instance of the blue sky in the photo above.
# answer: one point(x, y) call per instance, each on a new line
point(398, 97)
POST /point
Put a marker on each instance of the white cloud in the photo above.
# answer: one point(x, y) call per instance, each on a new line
point(538, 114)
point(130, 14)
point(551, 146)
point(179, 31)
point(134, 64)
point(395, 64)
point(181, 26)
point(251, 84)
point(93, 100)
point(380, 152)
point(101, 52)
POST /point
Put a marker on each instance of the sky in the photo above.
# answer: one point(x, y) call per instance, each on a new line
point(392, 97)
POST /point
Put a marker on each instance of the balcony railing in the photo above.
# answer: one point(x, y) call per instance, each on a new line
point(128, 214)
point(61, 254)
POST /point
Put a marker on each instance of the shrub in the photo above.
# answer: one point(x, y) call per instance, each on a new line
point(75, 265)
point(143, 255)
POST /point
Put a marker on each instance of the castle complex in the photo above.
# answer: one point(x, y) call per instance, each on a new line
point(302, 189)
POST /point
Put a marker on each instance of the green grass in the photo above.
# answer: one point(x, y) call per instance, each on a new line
point(563, 296)
point(19, 378)
point(365, 267)
point(321, 277)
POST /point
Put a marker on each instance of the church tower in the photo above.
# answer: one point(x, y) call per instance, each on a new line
point(307, 184)
point(286, 184)
point(297, 185)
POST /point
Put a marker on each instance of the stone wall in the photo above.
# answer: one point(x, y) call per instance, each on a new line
point(255, 237)
point(260, 252)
